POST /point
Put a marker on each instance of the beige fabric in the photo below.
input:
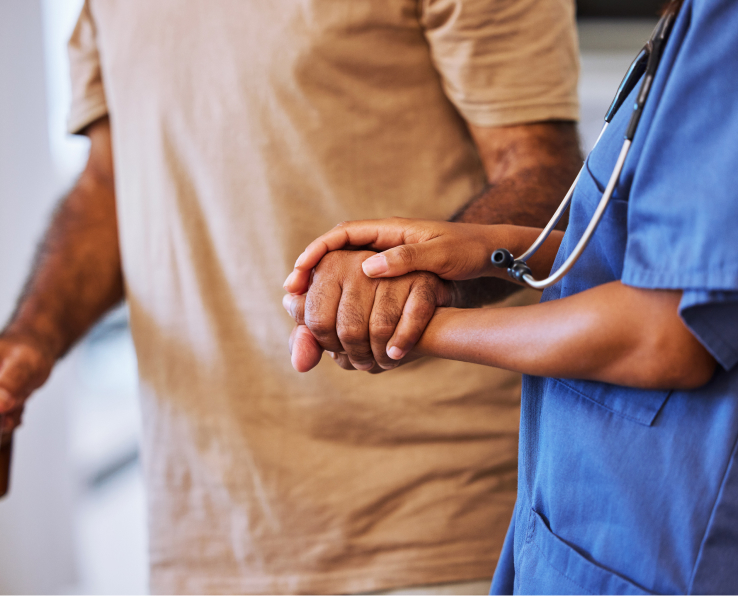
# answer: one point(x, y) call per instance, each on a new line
point(241, 130)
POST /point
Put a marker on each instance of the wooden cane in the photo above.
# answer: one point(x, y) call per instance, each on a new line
point(6, 453)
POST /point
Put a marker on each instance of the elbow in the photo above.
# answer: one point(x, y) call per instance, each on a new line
point(690, 376)
point(682, 366)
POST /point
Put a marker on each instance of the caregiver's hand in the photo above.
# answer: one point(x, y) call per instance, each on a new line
point(368, 324)
point(450, 250)
point(453, 251)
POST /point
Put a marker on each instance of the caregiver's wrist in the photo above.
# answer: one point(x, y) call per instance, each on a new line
point(498, 236)
point(437, 335)
point(482, 291)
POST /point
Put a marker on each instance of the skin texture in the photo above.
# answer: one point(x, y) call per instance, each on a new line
point(611, 333)
point(529, 168)
point(76, 278)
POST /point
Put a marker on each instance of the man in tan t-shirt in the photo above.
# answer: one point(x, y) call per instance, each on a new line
point(225, 135)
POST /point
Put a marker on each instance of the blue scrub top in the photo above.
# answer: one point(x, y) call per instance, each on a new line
point(624, 490)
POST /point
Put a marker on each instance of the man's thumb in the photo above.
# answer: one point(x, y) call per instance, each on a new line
point(304, 349)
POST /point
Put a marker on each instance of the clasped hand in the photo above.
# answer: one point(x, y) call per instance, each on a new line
point(369, 309)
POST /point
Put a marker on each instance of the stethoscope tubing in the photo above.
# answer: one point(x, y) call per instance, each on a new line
point(588, 233)
point(644, 65)
point(554, 221)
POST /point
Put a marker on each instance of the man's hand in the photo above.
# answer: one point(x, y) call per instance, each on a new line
point(24, 367)
point(368, 324)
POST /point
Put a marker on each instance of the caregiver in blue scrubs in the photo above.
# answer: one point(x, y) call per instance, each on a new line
point(628, 468)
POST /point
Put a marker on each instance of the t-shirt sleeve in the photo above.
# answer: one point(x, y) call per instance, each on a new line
point(505, 62)
point(88, 93)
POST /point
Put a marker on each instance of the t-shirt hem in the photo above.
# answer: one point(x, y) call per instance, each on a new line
point(93, 108)
point(337, 582)
point(506, 116)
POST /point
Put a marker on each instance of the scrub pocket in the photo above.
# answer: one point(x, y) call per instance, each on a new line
point(638, 405)
point(549, 565)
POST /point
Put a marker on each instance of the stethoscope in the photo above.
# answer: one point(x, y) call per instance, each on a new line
point(647, 62)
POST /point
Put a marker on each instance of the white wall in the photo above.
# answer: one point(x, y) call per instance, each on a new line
point(36, 531)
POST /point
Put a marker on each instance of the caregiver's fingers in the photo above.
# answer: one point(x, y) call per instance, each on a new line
point(304, 349)
point(377, 234)
point(406, 259)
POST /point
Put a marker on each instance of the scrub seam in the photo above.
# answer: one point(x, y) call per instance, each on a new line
point(531, 527)
point(559, 572)
point(712, 516)
point(594, 401)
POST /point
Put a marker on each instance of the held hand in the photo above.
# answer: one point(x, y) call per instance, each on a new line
point(24, 367)
point(368, 324)
point(453, 251)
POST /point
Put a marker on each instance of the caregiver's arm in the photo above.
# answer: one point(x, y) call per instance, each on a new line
point(612, 333)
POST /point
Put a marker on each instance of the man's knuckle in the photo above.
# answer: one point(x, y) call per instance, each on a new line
point(318, 325)
point(350, 335)
point(350, 317)
point(381, 331)
point(386, 314)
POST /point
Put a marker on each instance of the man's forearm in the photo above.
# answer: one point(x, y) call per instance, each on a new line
point(529, 168)
point(76, 275)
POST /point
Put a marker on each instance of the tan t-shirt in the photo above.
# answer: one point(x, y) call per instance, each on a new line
point(241, 130)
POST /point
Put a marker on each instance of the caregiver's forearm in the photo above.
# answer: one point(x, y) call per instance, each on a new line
point(612, 333)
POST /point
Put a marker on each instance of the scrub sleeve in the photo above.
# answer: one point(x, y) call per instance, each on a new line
point(683, 214)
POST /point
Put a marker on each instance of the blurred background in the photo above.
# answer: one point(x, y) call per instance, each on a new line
point(75, 520)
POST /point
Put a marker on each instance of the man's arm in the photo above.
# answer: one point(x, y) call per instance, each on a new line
point(529, 168)
point(76, 278)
